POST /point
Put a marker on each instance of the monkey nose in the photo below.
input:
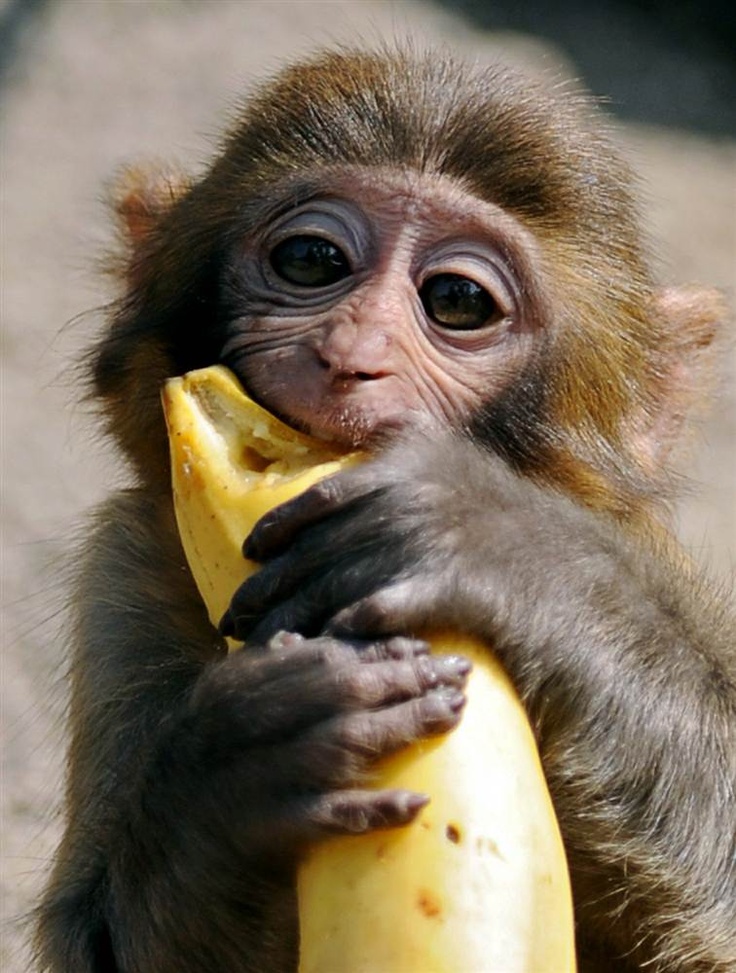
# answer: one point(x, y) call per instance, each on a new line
point(355, 357)
point(342, 374)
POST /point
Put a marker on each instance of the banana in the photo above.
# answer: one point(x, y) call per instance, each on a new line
point(479, 881)
point(231, 462)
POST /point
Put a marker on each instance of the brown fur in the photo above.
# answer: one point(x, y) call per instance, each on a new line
point(543, 158)
point(595, 413)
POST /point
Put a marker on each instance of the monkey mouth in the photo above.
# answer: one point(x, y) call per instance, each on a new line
point(345, 426)
point(341, 420)
point(348, 426)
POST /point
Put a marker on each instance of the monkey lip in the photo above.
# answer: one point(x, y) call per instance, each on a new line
point(349, 419)
point(347, 425)
point(348, 430)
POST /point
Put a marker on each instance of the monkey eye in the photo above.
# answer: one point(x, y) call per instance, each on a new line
point(309, 261)
point(457, 302)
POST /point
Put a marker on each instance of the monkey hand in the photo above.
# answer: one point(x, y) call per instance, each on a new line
point(303, 720)
point(433, 533)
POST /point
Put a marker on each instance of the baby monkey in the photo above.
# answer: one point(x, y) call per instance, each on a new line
point(443, 264)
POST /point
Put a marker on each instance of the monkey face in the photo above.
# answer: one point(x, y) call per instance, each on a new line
point(378, 299)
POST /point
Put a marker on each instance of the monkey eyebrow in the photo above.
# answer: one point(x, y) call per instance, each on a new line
point(277, 199)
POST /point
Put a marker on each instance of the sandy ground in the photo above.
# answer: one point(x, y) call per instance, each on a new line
point(96, 83)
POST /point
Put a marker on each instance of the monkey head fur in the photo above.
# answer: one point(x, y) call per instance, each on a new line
point(597, 407)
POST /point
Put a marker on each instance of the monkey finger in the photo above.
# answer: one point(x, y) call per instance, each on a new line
point(396, 647)
point(298, 604)
point(397, 608)
point(275, 582)
point(308, 569)
point(294, 615)
point(370, 734)
point(335, 679)
point(375, 650)
point(303, 820)
point(284, 641)
point(371, 687)
point(276, 530)
point(356, 811)
point(273, 585)
point(337, 724)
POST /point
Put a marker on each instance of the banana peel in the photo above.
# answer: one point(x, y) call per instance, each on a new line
point(231, 462)
point(479, 881)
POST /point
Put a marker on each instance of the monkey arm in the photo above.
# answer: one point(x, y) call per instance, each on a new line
point(196, 778)
point(623, 657)
point(141, 642)
point(633, 729)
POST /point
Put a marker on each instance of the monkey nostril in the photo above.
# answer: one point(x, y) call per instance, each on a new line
point(340, 373)
point(344, 377)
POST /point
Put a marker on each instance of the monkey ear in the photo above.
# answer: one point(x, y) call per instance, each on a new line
point(684, 379)
point(139, 197)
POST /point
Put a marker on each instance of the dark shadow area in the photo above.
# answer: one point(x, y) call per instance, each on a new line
point(668, 63)
point(17, 18)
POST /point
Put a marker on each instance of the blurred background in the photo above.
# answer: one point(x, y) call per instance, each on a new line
point(86, 85)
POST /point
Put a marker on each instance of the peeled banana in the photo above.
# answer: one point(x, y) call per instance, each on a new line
point(479, 881)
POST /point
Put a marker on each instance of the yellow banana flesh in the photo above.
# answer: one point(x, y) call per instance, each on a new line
point(479, 881)
point(231, 462)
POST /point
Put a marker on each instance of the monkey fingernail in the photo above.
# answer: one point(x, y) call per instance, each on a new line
point(415, 802)
point(455, 665)
point(448, 670)
point(455, 699)
point(447, 697)
point(285, 640)
point(400, 646)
